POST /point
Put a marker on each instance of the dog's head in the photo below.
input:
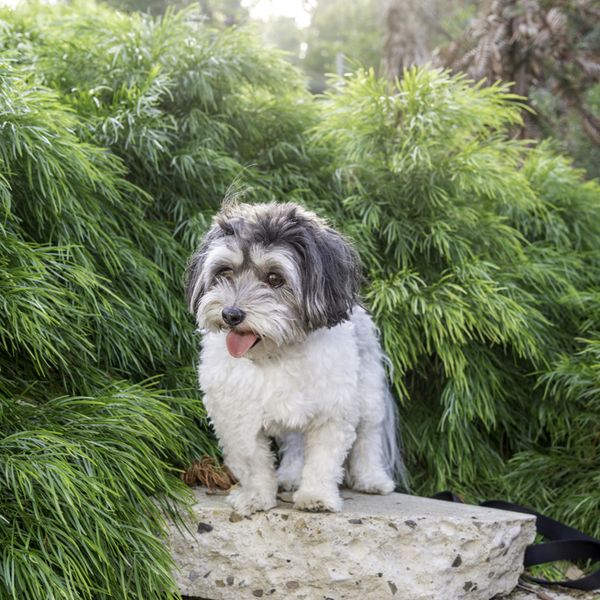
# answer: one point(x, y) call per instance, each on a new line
point(270, 274)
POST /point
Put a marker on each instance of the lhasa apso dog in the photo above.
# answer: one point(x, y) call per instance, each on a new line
point(289, 353)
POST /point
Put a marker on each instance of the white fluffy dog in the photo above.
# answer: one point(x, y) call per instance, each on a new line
point(287, 352)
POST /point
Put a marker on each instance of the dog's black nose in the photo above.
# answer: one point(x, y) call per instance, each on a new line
point(232, 315)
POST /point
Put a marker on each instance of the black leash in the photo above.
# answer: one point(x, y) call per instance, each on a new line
point(566, 543)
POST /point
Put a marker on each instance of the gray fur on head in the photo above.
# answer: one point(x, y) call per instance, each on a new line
point(320, 268)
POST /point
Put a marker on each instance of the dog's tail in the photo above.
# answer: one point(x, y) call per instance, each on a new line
point(392, 441)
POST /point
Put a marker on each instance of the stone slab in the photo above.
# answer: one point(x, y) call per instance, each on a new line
point(396, 547)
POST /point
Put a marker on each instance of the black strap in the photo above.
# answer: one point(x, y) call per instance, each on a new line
point(566, 543)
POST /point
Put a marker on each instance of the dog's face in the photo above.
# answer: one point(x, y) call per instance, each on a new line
point(269, 274)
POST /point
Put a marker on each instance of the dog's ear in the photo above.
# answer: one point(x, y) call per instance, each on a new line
point(332, 277)
point(194, 281)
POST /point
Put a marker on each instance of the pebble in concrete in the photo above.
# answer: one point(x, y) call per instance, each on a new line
point(395, 547)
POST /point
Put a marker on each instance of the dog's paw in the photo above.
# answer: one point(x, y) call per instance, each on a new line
point(317, 500)
point(376, 484)
point(246, 502)
point(287, 482)
point(288, 485)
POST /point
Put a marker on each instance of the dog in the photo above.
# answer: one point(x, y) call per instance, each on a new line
point(289, 353)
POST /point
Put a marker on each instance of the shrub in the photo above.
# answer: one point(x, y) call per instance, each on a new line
point(81, 451)
point(483, 257)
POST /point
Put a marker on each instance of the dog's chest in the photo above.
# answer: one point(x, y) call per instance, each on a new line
point(316, 380)
point(288, 400)
point(280, 391)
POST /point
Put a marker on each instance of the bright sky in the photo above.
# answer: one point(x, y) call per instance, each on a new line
point(259, 9)
point(263, 9)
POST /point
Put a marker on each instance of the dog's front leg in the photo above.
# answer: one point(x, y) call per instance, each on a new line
point(247, 453)
point(326, 447)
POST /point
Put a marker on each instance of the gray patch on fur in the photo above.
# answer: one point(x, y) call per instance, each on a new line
point(194, 288)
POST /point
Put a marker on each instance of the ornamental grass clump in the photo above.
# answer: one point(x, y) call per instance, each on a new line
point(82, 451)
point(483, 255)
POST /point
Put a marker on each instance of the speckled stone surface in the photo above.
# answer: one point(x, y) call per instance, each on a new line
point(379, 547)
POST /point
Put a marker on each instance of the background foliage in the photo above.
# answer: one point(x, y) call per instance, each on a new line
point(550, 49)
point(121, 134)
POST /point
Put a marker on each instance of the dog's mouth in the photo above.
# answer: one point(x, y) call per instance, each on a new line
point(240, 342)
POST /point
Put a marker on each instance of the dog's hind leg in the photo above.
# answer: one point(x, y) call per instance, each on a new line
point(366, 469)
point(374, 458)
point(291, 452)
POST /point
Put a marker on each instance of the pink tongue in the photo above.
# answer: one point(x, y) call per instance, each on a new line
point(239, 343)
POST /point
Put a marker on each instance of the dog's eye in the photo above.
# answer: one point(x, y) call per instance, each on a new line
point(226, 273)
point(275, 280)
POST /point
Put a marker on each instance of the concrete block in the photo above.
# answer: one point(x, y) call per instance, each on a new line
point(396, 547)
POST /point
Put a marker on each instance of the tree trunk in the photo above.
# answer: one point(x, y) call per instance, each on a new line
point(408, 35)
